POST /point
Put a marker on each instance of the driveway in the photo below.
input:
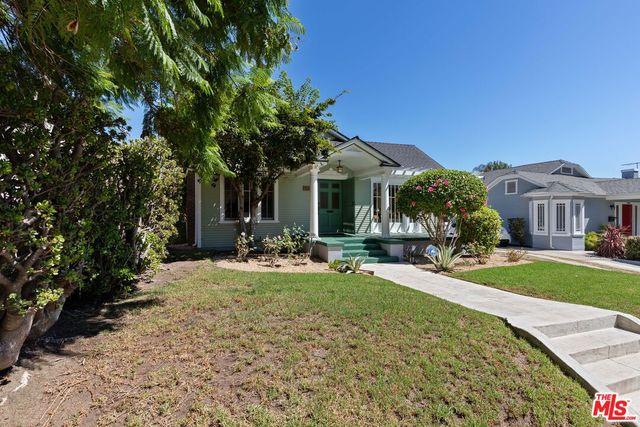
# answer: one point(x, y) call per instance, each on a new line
point(600, 348)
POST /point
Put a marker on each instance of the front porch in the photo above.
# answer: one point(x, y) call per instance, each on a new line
point(375, 248)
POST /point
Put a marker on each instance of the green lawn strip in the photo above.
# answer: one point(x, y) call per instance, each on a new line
point(230, 348)
point(563, 282)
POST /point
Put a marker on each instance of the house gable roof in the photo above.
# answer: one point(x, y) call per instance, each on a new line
point(403, 156)
point(549, 167)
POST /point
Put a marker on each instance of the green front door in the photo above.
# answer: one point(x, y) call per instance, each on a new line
point(330, 207)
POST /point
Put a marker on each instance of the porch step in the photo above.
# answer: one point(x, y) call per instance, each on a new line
point(364, 253)
point(360, 246)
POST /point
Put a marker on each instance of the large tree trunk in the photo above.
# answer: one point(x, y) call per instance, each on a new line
point(44, 319)
point(14, 329)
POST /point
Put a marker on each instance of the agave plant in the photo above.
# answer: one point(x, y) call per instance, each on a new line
point(444, 259)
point(351, 264)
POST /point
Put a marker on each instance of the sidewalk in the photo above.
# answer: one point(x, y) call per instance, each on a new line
point(585, 258)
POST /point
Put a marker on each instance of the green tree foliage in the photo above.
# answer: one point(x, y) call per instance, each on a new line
point(491, 166)
point(65, 68)
point(183, 59)
point(480, 232)
point(138, 215)
point(293, 137)
point(439, 198)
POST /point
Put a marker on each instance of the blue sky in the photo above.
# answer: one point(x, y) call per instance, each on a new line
point(473, 81)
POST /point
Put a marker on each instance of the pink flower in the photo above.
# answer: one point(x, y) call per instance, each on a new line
point(466, 216)
point(430, 189)
point(413, 203)
point(439, 179)
point(449, 204)
point(463, 210)
point(418, 187)
point(446, 183)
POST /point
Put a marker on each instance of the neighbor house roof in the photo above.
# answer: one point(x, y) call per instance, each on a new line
point(548, 167)
point(552, 183)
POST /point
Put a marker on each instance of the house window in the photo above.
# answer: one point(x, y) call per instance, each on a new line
point(511, 187)
point(394, 214)
point(566, 170)
point(578, 217)
point(561, 217)
point(540, 217)
point(267, 207)
point(377, 202)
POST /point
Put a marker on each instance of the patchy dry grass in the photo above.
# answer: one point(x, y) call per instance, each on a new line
point(229, 348)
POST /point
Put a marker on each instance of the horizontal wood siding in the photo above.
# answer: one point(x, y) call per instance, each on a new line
point(293, 208)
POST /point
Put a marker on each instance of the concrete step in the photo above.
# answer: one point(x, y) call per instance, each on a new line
point(600, 344)
point(616, 375)
point(578, 326)
point(360, 246)
point(634, 396)
point(364, 253)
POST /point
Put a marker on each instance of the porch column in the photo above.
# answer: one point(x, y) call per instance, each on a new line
point(313, 193)
point(385, 205)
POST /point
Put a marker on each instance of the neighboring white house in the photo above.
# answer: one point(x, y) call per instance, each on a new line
point(561, 202)
point(345, 194)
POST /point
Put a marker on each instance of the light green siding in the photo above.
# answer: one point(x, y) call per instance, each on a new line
point(362, 204)
point(293, 207)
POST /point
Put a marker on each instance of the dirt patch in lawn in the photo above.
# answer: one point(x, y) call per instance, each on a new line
point(282, 265)
point(57, 376)
point(498, 259)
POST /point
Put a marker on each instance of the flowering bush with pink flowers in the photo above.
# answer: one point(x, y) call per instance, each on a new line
point(437, 198)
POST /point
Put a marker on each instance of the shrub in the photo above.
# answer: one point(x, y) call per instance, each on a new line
point(517, 230)
point(244, 245)
point(592, 241)
point(515, 255)
point(445, 258)
point(294, 239)
point(481, 232)
point(335, 264)
point(272, 246)
point(351, 264)
point(612, 243)
point(438, 198)
point(632, 248)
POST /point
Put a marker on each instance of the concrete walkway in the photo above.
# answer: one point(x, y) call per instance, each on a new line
point(600, 348)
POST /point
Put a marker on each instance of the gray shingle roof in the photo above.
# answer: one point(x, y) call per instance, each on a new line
point(540, 167)
point(617, 187)
point(407, 155)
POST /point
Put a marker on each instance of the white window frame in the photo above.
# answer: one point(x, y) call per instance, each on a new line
point(576, 231)
point(506, 186)
point(567, 217)
point(259, 219)
point(537, 231)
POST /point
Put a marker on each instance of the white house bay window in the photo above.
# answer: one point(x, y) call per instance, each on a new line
point(578, 217)
point(540, 217)
point(561, 217)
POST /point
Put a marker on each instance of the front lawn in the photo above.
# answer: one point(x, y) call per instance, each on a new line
point(234, 348)
point(563, 282)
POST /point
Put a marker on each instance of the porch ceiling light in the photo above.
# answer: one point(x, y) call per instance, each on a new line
point(339, 168)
